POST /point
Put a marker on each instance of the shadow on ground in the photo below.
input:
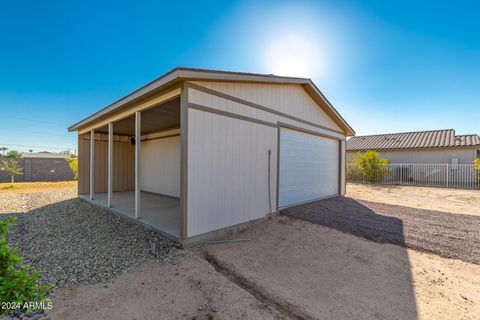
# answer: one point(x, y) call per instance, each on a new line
point(320, 273)
point(449, 235)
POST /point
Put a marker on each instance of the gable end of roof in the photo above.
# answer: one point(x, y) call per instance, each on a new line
point(182, 74)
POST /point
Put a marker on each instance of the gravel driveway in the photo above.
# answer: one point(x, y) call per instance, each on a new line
point(448, 235)
point(72, 241)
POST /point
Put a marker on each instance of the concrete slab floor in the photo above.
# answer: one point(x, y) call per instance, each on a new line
point(158, 211)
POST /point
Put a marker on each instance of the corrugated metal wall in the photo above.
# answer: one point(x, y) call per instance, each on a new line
point(291, 99)
point(219, 103)
point(228, 171)
point(160, 171)
point(123, 159)
point(228, 157)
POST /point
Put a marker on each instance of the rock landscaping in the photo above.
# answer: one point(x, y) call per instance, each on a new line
point(17, 315)
point(71, 241)
point(446, 234)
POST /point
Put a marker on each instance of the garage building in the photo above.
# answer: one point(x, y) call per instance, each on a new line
point(198, 152)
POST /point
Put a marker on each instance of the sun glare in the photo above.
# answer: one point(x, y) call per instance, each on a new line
point(293, 55)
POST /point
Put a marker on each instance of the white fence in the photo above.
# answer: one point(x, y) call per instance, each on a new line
point(460, 176)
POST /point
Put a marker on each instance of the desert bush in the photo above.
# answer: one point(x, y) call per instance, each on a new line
point(369, 166)
point(73, 164)
point(18, 283)
point(476, 167)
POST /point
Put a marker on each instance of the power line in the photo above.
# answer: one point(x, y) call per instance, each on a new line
point(38, 132)
point(33, 120)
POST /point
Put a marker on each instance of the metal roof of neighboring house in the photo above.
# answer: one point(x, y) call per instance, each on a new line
point(181, 74)
point(44, 154)
point(412, 140)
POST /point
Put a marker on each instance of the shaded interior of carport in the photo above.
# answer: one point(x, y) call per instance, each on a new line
point(136, 166)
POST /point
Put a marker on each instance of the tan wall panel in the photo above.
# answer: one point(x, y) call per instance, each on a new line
point(83, 164)
point(123, 164)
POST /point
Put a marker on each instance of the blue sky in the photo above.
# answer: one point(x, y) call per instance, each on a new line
point(387, 66)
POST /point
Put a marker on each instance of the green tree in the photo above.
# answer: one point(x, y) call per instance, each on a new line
point(476, 167)
point(13, 154)
point(370, 165)
point(18, 283)
point(12, 168)
point(2, 150)
point(73, 164)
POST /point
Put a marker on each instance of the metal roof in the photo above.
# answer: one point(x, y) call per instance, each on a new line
point(181, 74)
point(413, 140)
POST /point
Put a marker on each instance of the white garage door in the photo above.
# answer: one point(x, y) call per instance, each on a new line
point(309, 167)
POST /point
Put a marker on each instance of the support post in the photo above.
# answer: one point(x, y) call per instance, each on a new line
point(138, 143)
point(110, 164)
point(183, 232)
point(92, 163)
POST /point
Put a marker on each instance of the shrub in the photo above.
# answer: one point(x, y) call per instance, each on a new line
point(14, 154)
point(18, 283)
point(476, 167)
point(370, 166)
point(73, 164)
point(12, 168)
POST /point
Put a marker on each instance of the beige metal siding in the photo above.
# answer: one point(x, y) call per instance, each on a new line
point(219, 103)
point(228, 171)
point(290, 99)
point(160, 166)
point(228, 157)
point(123, 164)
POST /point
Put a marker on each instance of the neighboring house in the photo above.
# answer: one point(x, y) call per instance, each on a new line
point(197, 152)
point(43, 155)
point(40, 167)
point(422, 147)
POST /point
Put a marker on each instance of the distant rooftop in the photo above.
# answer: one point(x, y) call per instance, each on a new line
point(43, 154)
point(412, 140)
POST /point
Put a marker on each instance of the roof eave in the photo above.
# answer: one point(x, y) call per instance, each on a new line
point(347, 128)
point(183, 74)
point(137, 94)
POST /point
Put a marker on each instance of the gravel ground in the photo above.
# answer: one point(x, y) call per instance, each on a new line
point(22, 203)
point(437, 199)
point(72, 241)
point(448, 235)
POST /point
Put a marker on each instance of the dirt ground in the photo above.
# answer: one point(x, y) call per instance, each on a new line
point(439, 199)
point(322, 273)
point(32, 187)
point(447, 234)
point(290, 269)
point(191, 289)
